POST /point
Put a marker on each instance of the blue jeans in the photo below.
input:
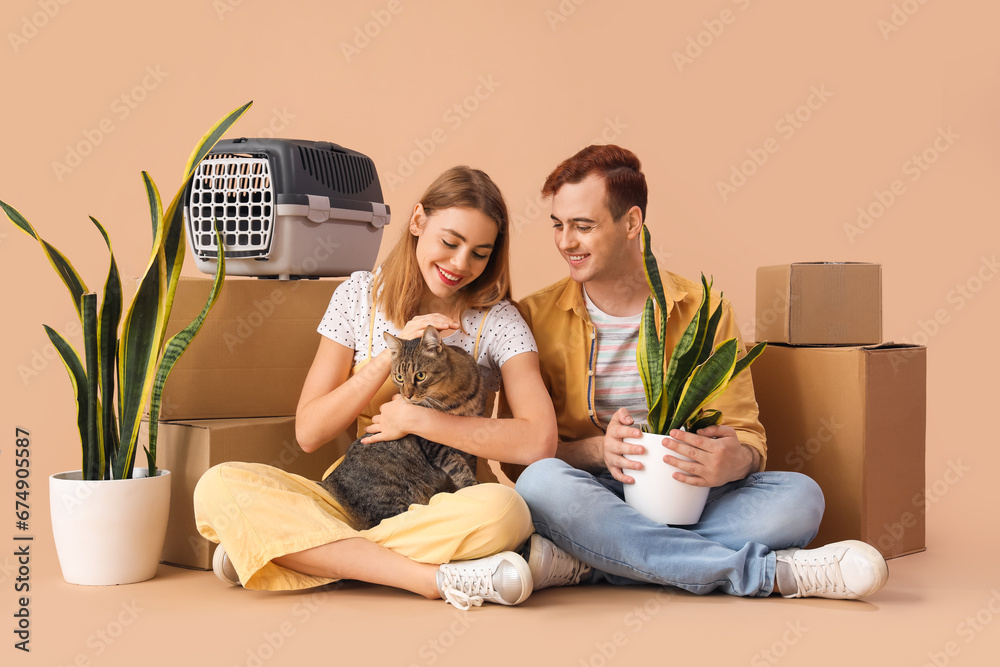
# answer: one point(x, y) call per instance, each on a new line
point(731, 548)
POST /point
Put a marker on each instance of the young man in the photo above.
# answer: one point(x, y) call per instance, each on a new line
point(748, 541)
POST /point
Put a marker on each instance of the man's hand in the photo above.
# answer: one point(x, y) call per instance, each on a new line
point(621, 427)
point(718, 456)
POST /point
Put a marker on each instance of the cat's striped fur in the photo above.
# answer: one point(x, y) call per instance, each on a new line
point(383, 479)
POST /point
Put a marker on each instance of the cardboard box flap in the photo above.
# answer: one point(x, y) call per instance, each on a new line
point(891, 345)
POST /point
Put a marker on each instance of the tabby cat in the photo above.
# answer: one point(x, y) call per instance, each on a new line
point(383, 479)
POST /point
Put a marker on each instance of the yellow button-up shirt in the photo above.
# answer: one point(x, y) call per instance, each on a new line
point(567, 343)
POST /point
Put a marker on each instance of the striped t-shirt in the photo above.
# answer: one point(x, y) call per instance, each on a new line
point(617, 382)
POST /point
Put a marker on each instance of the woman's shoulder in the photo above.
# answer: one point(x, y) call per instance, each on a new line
point(356, 284)
point(504, 310)
point(360, 279)
point(505, 324)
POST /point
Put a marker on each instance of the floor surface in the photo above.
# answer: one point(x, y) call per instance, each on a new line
point(940, 607)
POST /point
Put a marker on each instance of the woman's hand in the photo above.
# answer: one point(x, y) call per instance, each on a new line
point(415, 327)
point(395, 419)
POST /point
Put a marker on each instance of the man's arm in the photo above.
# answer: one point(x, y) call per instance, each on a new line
point(586, 454)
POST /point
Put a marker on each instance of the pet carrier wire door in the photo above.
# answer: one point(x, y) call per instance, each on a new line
point(286, 209)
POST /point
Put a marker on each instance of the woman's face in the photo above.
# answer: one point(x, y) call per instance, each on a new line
point(453, 247)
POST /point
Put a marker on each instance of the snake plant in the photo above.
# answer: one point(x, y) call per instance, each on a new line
point(698, 370)
point(125, 363)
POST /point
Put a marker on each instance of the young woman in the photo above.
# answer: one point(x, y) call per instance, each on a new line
point(449, 270)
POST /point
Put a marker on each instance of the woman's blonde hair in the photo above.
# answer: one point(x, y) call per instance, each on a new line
point(399, 275)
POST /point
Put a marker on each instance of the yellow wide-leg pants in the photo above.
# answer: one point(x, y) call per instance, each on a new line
point(259, 513)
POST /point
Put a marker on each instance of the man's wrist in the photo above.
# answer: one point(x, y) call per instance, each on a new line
point(586, 454)
point(754, 464)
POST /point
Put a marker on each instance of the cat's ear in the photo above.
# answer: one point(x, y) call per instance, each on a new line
point(432, 339)
point(395, 345)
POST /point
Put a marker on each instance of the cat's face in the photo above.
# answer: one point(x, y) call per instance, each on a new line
point(418, 365)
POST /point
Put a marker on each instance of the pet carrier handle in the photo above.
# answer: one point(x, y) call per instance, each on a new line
point(323, 209)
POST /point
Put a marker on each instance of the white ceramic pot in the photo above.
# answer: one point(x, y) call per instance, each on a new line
point(656, 494)
point(109, 531)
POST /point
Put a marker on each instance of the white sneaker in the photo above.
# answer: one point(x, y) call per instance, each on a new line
point(503, 578)
point(845, 570)
point(551, 566)
point(223, 567)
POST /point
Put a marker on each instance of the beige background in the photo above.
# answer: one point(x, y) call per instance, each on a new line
point(133, 85)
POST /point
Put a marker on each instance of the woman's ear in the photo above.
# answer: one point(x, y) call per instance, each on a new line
point(417, 220)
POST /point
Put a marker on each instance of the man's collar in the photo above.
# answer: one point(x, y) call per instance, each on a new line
point(673, 291)
point(571, 297)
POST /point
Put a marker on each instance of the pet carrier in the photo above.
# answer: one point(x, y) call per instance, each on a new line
point(285, 209)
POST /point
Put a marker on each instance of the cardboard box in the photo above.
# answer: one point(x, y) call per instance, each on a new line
point(853, 419)
point(820, 303)
point(254, 349)
point(188, 448)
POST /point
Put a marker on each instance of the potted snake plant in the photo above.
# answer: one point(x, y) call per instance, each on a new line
point(677, 393)
point(109, 518)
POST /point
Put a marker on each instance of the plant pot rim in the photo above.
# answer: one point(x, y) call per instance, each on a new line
point(642, 427)
point(77, 476)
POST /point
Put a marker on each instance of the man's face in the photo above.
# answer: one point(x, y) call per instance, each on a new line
point(588, 238)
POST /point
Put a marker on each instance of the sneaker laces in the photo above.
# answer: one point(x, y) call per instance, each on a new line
point(822, 575)
point(467, 588)
point(564, 568)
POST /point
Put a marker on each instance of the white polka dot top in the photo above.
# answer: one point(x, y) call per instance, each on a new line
point(348, 318)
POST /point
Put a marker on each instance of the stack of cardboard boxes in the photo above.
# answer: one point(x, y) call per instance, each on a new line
point(232, 396)
point(839, 404)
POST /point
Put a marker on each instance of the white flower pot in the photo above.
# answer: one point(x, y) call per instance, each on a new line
point(109, 531)
point(655, 493)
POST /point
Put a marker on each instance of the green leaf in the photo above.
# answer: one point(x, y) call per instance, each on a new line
point(706, 382)
point(137, 352)
point(744, 362)
point(155, 207)
point(174, 349)
point(212, 137)
point(145, 321)
point(653, 272)
point(649, 358)
point(690, 352)
point(19, 220)
point(81, 394)
point(93, 447)
point(63, 267)
point(703, 419)
point(710, 330)
point(173, 233)
point(107, 337)
point(173, 251)
point(649, 351)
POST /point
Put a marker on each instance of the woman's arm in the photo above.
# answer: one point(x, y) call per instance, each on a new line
point(529, 435)
point(331, 397)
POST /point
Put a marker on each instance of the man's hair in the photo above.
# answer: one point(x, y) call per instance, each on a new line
point(620, 168)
